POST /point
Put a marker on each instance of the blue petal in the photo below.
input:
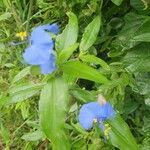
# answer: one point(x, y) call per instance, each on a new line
point(94, 110)
point(51, 28)
point(86, 118)
point(37, 54)
point(110, 111)
point(39, 36)
point(93, 107)
point(106, 111)
point(49, 66)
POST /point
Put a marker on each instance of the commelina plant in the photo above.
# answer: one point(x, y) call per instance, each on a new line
point(51, 55)
point(52, 51)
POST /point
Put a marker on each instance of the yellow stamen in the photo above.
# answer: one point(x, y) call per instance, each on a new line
point(94, 120)
point(22, 35)
point(107, 130)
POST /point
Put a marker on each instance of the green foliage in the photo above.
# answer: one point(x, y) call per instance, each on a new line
point(142, 38)
point(5, 16)
point(143, 6)
point(120, 135)
point(80, 70)
point(90, 34)
point(66, 53)
point(117, 2)
point(135, 25)
point(137, 59)
point(23, 73)
point(23, 91)
point(52, 111)
point(69, 34)
point(34, 136)
point(95, 60)
point(102, 48)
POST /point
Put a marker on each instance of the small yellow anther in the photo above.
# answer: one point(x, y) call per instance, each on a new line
point(94, 120)
point(22, 35)
point(107, 130)
point(107, 125)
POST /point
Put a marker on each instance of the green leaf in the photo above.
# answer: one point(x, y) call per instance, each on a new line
point(80, 70)
point(5, 135)
point(90, 34)
point(138, 58)
point(83, 95)
point(66, 53)
point(96, 60)
point(142, 85)
point(80, 129)
point(117, 2)
point(141, 5)
point(9, 65)
point(5, 16)
point(142, 37)
point(134, 25)
point(33, 136)
point(147, 101)
point(35, 70)
point(21, 74)
point(52, 111)
point(120, 135)
point(69, 35)
point(18, 93)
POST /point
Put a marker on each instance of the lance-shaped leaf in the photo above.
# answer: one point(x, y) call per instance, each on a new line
point(142, 6)
point(90, 34)
point(21, 74)
point(80, 70)
point(69, 35)
point(142, 37)
point(120, 135)
point(18, 93)
point(5, 16)
point(66, 53)
point(117, 2)
point(52, 111)
point(138, 58)
point(95, 60)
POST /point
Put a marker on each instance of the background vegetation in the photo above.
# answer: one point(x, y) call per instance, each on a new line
point(120, 52)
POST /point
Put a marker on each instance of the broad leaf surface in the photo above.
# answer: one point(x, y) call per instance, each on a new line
point(90, 34)
point(117, 2)
point(138, 58)
point(18, 93)
point(66, 53)
point(22, 74)
point(52, 111)
point(80, 70)
point(120, 135)
point(95, 60)
point(142, 37)
point(69, 35)
point(134, 25)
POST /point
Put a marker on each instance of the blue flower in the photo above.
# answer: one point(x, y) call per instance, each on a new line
point(40, 36)
point(95, 111)
point(40, 52)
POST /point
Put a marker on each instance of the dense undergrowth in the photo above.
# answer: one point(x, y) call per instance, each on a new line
point(104, 49)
